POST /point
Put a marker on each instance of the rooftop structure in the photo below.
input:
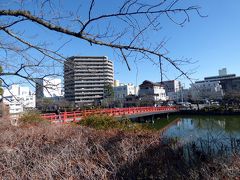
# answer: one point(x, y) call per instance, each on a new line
point(222, 72)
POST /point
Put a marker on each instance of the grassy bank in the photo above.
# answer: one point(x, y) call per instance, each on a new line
point(46, 151)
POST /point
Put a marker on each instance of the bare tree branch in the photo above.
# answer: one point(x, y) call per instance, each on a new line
point(104, 29)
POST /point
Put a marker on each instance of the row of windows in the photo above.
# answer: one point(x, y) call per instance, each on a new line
point(82, 65)
point(92, 82)
point(84, 100)
point(92, 78)
point(85, 93)
point(94, 70)
point(94, 73)
point(88, 85)
point(89, 89)
point(104, 76)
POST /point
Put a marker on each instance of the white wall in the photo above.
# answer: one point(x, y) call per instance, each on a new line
point(52, 87)
point(160, 93)
point(120, 92)
point(18, 98)
point(157, 93)
point(206, 89)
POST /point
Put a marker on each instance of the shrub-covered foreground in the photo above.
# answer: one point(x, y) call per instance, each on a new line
point(78, 152)
point(31, 118)
point(108, 122)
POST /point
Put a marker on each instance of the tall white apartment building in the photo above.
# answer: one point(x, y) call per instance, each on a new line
point(19, 98)
point(48, 87)
point(85, 78)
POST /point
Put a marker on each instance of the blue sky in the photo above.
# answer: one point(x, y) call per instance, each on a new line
point(213, 42)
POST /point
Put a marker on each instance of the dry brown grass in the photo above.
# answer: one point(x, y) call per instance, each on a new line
point(66, 151)
point(76, 152)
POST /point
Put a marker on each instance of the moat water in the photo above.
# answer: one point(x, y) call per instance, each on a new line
point(211, 133)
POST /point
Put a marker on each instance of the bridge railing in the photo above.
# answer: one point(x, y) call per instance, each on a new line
point(74, 116)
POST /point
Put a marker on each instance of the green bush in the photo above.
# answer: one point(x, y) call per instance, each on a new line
point(31, 117)
point(109, 122)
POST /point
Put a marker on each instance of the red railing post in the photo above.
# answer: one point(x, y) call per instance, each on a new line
point(64, 116)
point(74, 116)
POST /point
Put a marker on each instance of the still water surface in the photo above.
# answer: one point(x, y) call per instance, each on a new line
point(217, 132)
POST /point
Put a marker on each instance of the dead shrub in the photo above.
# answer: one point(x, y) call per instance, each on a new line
point(108, 122)
point(32, 118)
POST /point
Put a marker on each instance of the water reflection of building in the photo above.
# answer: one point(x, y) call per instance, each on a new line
point(179, 123)
point(221, 123)
point(232, 124)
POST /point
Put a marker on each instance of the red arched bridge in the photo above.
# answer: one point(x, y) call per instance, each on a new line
point(131, 112)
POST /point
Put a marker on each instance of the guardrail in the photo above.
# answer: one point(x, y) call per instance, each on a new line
point(75, 116)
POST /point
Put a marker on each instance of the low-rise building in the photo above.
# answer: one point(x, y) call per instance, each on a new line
point(123, 90)
point(131, 101)
point(230, 82)
point(173, 90)
point(152, 91)
point(201, 90)
point(215, 87)
point(172, 86)
point(19, 98)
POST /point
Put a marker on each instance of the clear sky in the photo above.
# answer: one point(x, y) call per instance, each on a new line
point(213, 42)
